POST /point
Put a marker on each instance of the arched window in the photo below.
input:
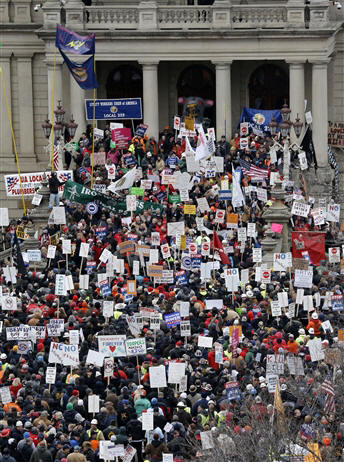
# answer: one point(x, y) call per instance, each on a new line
point(125, 81)
point(268, 87)
point(197, 81)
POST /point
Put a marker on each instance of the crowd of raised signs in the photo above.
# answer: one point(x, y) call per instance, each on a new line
point(148, 327)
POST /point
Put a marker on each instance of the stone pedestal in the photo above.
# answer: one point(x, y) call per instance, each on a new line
point(279, 213)
point(40, 213)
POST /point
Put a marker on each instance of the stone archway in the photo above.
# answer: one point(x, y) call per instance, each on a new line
point(268, 87)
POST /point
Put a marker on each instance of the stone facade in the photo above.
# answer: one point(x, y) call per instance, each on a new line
point(161, 38)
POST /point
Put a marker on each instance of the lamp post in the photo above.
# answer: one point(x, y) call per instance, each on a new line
point(59, 128)
point(285, 128)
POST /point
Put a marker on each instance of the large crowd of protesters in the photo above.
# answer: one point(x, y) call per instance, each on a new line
point(52, 422)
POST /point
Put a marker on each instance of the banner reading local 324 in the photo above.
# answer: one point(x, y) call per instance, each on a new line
point(31, 182)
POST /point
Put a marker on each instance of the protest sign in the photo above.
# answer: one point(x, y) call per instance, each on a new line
point(282, 261)
point(95, 358)
point(60, 285)
point(175, 372)
point(157, 377)
point(34, 255)
point(276, 308)
point(300, 209)
point(333, 212)
point(206, 342)
point(334, 254)
point(257, 255)
point(30, 182)
point(93, 404)
point(185, 328)
point(135, 347)
point(68, 355)
point(315, 349)
point(50, 375)
point(303, 278)
point(5, 395)
point(108, 367)
point(112, 345)
point(147, 420)
point(4, 219)
point(172, 319)
point(9, 303)
point(274, 364)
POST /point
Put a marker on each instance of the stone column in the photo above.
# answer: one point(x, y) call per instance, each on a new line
point(77, 107)
point(296, 93)
point(6, 147)
point(223, 100)
point(151, 98)
point(26, 132)
point(58, 86)
point(319, 110)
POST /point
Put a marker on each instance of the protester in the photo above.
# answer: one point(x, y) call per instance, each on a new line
point(171, 259)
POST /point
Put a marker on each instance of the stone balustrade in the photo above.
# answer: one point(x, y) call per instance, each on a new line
point(150, 15)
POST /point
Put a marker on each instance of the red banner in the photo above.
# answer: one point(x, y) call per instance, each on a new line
point(309, 242)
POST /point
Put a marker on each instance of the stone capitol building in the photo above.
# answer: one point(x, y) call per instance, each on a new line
point(233, 53)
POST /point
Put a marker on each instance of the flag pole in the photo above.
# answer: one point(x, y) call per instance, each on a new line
point(53, 114)
point(13, 137)
point(93, 121)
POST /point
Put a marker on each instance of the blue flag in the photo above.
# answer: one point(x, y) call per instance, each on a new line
point(83, 73)
point(259, 119)
point(70, 42)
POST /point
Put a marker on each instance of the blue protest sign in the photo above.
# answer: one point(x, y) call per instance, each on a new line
point(259, 119)
point(114, 109)
point(105, 288)
point(90, 267)
point(225, 195)
point(181, 278)
point(233, 391)
point(337, 302)
point(141, 130)
point(172, 319)
point(196, 261)
point(101, 232)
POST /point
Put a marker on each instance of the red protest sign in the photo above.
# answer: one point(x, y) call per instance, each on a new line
point(121, 137)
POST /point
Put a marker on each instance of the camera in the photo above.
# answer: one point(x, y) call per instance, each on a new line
point(338, 5)
point(37, 6)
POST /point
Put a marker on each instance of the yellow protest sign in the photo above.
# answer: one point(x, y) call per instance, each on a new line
point(313, 456)
point(340, 335)
point(232, 218)
point(131, 288)
point(54, 239)
point(21, 234)
point(154, 271)
point(183, 242)
point(189, 209)
point(189, 123)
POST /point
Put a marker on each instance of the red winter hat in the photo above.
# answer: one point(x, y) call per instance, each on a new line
point(75, 392)
point(179, 343)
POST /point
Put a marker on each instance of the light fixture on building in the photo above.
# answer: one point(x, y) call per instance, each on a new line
point(72, 127)
point(46, 125)
point(297, 126)
point(273, 126)
point(59, 113)
point(285, 112)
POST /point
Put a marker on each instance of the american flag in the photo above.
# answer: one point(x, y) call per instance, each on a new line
point(253, 171)
point(12, 182)
point(329, 405)
point(56, 156)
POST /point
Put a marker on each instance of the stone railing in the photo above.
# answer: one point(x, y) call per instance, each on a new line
point(259, 16)
point(151, 16)
point(185, 17)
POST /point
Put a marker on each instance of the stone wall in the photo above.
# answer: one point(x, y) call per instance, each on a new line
point(15, 101)
point(40, 101)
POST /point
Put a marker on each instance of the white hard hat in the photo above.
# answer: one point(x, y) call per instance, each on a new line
point(94, 421)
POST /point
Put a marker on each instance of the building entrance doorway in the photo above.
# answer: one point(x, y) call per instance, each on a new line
point(268, 87)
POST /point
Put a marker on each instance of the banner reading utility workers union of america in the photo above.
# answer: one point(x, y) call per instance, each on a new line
point(114, 109)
